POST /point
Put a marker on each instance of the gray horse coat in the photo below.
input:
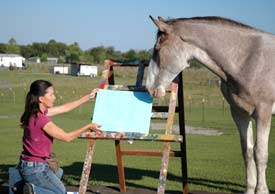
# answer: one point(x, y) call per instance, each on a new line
point(243, 57)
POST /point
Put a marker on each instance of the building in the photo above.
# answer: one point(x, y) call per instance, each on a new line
point(37, 59)
point(34, 59)
point(52, 60)
point(82, 69)
point(12, 61)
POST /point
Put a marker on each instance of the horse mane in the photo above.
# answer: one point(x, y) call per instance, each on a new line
point(214, 19)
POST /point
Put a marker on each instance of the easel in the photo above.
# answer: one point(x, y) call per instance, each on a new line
point(176, 94)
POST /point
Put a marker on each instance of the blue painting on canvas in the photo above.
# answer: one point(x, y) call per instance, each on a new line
point(123, 111)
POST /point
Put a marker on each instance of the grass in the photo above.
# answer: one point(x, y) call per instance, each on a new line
point(214, 162)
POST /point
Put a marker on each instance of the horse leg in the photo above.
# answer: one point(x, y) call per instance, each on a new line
point(244, 124)
point(263, 123)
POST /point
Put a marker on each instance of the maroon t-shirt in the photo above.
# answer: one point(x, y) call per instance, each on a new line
point(37, 144)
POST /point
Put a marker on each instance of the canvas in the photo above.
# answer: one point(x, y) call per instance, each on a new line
point(123, 111)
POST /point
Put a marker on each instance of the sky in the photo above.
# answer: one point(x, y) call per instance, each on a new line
point(123, 24)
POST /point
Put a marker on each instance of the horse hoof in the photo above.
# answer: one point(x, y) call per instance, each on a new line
point(250, 190)
point(262, 191)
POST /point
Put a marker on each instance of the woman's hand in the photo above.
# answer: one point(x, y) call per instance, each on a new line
point(93, 93)
point(94, 127)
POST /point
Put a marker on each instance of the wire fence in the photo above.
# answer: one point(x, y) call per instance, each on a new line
point(201, 107)
point(203, 100)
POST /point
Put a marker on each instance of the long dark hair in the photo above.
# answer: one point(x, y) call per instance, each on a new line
point(38, 88)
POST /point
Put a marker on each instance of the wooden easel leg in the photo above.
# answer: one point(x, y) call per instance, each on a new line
point(87, 167)
point(164, 168)
point(181, 114)
point(184, 173)
point(120, 167)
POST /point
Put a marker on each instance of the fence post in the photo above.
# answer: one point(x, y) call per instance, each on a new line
point(61, 99)
point(80, 108)
point(25, 92)
point(223, 108)
point(203, 111)
point(13, 97)
point(11, 94)
point(2, 97)
point(189, 103)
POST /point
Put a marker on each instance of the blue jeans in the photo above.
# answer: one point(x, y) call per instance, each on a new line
point(39, 174)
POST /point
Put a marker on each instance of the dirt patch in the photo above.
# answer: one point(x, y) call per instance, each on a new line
point(8, 116)
point(6, 85)
point(189, 129)
point(4, 189)
point(130, 190)
point(114, 190)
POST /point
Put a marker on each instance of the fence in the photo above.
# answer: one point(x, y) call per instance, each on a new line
point(203, 100)
point(199, 108)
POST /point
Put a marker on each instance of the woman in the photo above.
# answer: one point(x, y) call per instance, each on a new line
point(39, 132)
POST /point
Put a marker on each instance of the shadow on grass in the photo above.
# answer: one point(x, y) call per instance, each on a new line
point(108, 174)
point(4, 172)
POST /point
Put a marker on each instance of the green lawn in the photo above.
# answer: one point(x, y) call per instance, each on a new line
point(214, 162)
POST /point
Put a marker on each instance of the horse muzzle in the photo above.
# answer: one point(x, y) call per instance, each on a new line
point(157, 92)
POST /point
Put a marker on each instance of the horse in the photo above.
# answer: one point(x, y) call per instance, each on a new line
point(243, 58)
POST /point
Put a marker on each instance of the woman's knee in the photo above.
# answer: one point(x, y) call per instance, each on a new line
point(59, 173)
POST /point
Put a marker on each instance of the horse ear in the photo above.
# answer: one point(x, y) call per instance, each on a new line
point(161, 19)
point(162, 26)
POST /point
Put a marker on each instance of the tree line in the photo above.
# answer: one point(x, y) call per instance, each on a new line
point(71, 53)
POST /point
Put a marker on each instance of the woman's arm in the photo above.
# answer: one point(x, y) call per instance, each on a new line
point(54, 131)
point(71, 105)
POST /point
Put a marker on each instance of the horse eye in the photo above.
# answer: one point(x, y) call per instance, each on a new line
point(163, 37)
point(157, 47)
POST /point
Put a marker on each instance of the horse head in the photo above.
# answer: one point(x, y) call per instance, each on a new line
point(168, 58)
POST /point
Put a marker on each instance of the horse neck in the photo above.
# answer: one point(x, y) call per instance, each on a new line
point(217, 42)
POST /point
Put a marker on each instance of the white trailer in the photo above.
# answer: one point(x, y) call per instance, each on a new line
point(11, 60)
point(59, 70)
point(88, 70)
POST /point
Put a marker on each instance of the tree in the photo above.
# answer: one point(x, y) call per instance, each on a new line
point(52, 48)
point(144, 55)
point(87, 57)
point(56, 49)
point(39, 48)
point(99, 54)
point(44, 57)
point(73, 53)
point(12, 47)
point(112, 54)
point(61, 59)
point(3, 48)
point(26, 51)
point(131, 55)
